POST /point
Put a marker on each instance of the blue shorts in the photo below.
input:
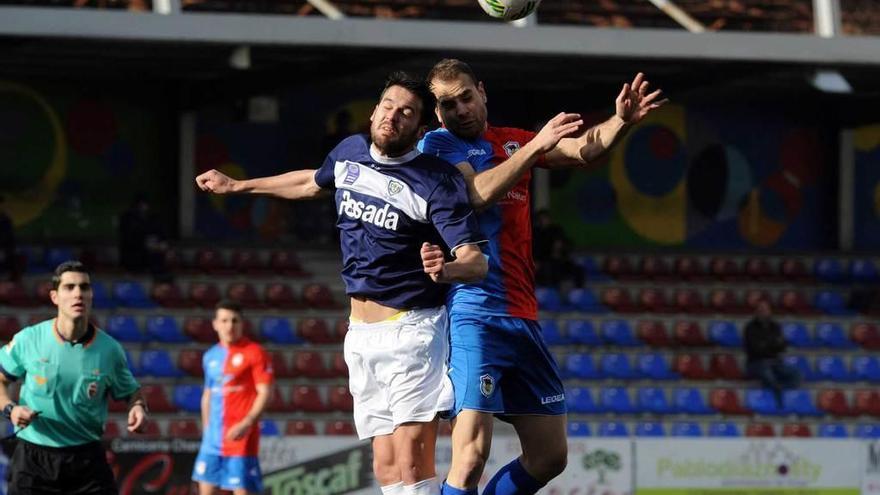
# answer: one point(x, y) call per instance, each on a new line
point(501, 365)
point(229, 473)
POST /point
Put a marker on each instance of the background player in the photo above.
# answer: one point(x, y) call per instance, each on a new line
point(390, 200)
point(238, 380)
point(494, 324)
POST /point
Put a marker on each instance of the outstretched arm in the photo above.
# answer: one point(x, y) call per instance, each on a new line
point(470, 264)
point(298, 184)
point(631, 106)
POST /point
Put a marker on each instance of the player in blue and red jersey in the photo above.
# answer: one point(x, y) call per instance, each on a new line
point(493, 325)
point(238, 379)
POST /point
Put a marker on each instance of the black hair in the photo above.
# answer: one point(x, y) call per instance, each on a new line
point(417, 87)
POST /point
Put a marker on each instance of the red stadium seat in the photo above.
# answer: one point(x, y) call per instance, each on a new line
point(306, 398)
point(866, 402)
point(315, 331)
point(9, 326)
point(689, 334)
point(280, 365)
point(618, 300)
point(248, 261)
point(690, 269)
point(184, 428)
point(725, 401)
point(654, 300)
point(795, 302)
point(689, 301)
point(653, 333)
point(340, 328)
point(796, 430)
point(150, 429)
point(14, 294)
point(759, 269)
point(655, 268)
point(866, 335)
point(245, 294)
point(280, 296)
point(318, 296)
point(618, 267)
point(190, 362)
point(285, 263)
point(41, 293)
point(725, 269)
point(175, 262)
point(169, 296)
point(724, 301)
point(204, 294)
point(338, 368)
point(690, 367)
point(117, 406)
point(277, 402)
point(339, 399)
point(833, 401)
point(300, 427)
point(200, 330)
point(794, 270)
point(309, 364)
point(755, 297)
point(249, 330)
point(35, 318)
point(112, 430)
point(339, 428)
point(725, 367)
point(212, 261)
point(760, 430)
point(157, 399)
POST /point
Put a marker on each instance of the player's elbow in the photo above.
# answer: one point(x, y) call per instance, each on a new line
point(478, 268)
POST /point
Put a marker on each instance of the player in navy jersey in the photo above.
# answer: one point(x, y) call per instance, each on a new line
point(396, 207)
point(493, 324)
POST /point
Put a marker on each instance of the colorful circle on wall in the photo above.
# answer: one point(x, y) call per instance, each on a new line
point(91, 127)
point(655, 161)
point(769, 209)
point(718, 179)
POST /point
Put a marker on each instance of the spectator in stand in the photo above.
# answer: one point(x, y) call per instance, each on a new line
point(142, 245)
point(764, 345)
point(554, 266)
point(7, 244)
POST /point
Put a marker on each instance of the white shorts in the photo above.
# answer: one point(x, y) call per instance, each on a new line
point(397, 370)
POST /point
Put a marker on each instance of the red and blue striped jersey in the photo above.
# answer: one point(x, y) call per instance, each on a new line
point(509, 288)
point(232, 374)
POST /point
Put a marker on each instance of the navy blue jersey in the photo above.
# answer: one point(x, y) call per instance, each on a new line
point(387, 207)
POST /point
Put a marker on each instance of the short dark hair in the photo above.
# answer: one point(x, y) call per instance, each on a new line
point(449, 69)
point(67, 266)
point(230, 305)
point(416, 87)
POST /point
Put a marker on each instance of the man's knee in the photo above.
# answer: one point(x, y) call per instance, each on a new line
point(547, 464)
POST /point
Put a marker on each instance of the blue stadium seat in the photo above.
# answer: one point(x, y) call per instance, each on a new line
point(277, 330)
point(156, 362)
point(580, 400)
point(620, 332)
point(592, 269)
point(552, 334)
point(164, 328)
point(797, 335)
point(269, 428)
point(762, 402)
point(650, 429)
point(581, 366)
point(864, 271)
point(585, 300)
point(724, 333)
point(832, 303)
point(124, 329)
point(616, 365)
point(723, 429)
point(582, 332)
point(833, 335)
point(578, 429)
point(132, 364)
point(686, 429)
point(801, 364)
point(613, 429)
point(549, 299)
point(868, 431)
point(57, 255)
point(188, 398)
point(689, 400)
point(832, 368)
point(616, 400)
point(653, 400)
point(829, 270)
point(131, 294)
point(101, 298)
point(799, 402)
point(832, 430)
point(656, 367)
point(866, 368)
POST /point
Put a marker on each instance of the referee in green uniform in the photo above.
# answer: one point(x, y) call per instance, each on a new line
point(69, 368)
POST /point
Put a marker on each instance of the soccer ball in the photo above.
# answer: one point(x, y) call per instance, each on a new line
point(509, 10)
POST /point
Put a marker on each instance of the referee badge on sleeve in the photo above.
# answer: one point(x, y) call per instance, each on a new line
point(487, 385)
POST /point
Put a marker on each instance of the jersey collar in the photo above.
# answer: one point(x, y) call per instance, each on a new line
point(85, 340)
point(378, 157)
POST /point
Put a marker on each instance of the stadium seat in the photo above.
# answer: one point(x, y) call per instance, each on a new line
point(277, 402)
point(795, 302)
point(690, 367)
point(245, 294)
point(755, 297)
point(650, 429)
point(832, 368)
point(832, 303)
point(864, 271)
point(689, 301)
point(725, 301)
point(165, 329)
point(794, 270)
point(338, 368)
point(833, 335)
point(280, 364)
point(549, 299)
point(582, 332)
point(760, 270)
point(689, 334)
point(315, 331)
point(724, 333)
point(834, 402)
point(690, 269)
point(280, 296)
point(799, 402)
point(723, 429)
point(618, 300)
point(299, 427)
point(801, 364)
point(653, 400)
point(124, 329)
point(112, 430)
point(655, 268)
point(761, 401)
point(585, 300)
point(619, 333)
point(342, 428)
point(306, 398)
point(581, 366)
point(618, 267)
point(686, 429)
point(797, 335)
point(617, 365)
point(689, 400)
point(613, 429)
point(42, 293)
point(616, 400)
point(177, 262)
point(831, 430)
point(551, 333)
point(248, 261)
point(188, 398)
point(725, 366)
point(269, 428)
point(150, 429)
point(866, 335)
point(339, 399)
point(340, 328)
point(204, 294)
point(158, 363)
point(866, 403)
point(284, 262)
point(580, 400)
point(57, 255)
point(169, 295)
point(761, 430)
point(189, 361)
point(309, 364)
point(132, 364)
point(829, 270)
point(131, 294)
point(9, 326)
point(212, 262)
point(318, 296)
point(101, 298)
point(655, 366)
point(726, 401)
point(653, 333)
point(654, 300)
point(866, 368)
point(200, 330)
point(579, 429)
point(276, 330)
point(184, 428)
point(867, 431)
point(725, 269)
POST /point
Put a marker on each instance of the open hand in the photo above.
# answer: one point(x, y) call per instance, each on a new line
point(634, 102)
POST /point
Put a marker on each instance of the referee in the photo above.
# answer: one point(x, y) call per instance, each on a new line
point(69, 368)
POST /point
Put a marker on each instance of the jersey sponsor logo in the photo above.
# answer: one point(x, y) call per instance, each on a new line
point(201, 467)
point(516, 196)
point(234, 480)
point(552, 399)
point(352, 172)
point(475, 152)
point(358, 210)
point(487, 385)
point(511, 147)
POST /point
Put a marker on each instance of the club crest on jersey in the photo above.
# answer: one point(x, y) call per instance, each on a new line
point(237, 359)
point(394, 187)
point(352, 172)
point(358, 210)
point(511, 147)
point(92, 391)
point(487, 385)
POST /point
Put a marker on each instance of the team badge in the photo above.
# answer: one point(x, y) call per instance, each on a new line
point(394, 187)
point(511, 147)
point(92, 391)
point(201, 467)
point(237, 360)
point(352, 172)
point(487, 385)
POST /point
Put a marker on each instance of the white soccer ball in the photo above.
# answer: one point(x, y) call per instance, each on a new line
point(509, 10)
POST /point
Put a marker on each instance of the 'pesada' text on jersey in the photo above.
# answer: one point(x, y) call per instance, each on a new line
point(358, 210)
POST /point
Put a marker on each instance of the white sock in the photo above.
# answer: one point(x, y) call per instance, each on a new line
point(395, 489)
point(429, 486)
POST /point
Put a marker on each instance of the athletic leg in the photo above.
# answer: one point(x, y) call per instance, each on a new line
point(471, 443)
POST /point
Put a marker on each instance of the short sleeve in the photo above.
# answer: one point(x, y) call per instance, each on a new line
point(262, 368)
point(451, 213)
point(445, 146)
point(11, 362)
point(325, 176)
point(122, 382)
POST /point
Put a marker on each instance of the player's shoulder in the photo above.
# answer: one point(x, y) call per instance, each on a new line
point(439, 139)
point(105, 340)
point(508, 134)
point(34, 331)
point(352, 147)
point(434, 165)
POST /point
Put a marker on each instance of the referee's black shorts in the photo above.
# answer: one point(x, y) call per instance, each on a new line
point(79, 470)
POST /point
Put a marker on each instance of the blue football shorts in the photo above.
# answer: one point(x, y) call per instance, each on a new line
point(229, 473)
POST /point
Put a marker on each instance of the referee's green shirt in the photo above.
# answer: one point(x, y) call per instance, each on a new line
point(68, 383)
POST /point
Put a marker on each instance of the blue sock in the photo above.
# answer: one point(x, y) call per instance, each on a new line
point(451, 490)
point(512, 479)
